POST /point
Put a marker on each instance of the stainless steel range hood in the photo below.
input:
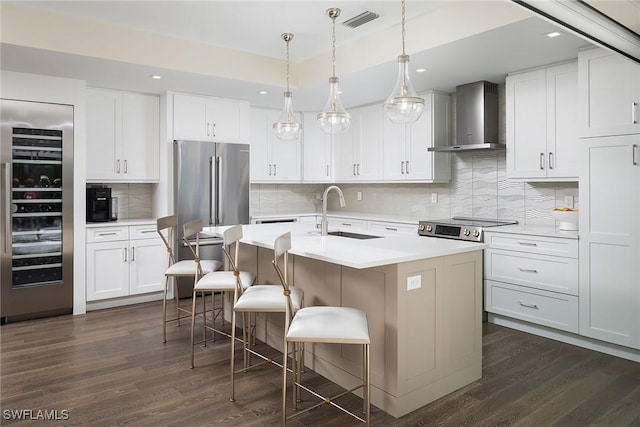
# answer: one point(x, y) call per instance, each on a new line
point(476, 118)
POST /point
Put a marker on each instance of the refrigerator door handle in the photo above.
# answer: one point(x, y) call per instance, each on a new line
point(212, 194)
point(218, 188)
point(7, 217)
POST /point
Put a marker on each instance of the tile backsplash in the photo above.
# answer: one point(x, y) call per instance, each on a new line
point(134, 200)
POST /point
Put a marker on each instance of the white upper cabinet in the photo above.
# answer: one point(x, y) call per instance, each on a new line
point(405, 145)
point(201, 118)
point(542, 123)
point(272, 160)
point(610, 94)
point(123, 139)
point(317, 151)
point(610, 239)
point(358, 152)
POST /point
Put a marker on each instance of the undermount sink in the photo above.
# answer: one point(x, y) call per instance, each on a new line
point(352, 235)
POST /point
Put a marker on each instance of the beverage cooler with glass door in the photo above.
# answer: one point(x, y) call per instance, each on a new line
point(36, 268)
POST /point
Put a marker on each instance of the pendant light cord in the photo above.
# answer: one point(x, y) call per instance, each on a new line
point(403, 50)
point(287, 40)
point(333, 41)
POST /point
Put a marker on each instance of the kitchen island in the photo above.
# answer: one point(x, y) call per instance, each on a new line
point(422, 296)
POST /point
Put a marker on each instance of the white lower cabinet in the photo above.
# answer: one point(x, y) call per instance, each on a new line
point(533, 278)
point(123, 261)
point(391, 228)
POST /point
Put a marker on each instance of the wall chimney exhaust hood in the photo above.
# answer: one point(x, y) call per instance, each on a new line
point(476, 118)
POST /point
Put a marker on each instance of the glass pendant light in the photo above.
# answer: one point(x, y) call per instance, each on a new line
point(334, 118)
point(288, 128)
point(403, 105)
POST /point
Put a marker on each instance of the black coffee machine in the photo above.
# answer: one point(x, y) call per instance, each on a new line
point(98, 204)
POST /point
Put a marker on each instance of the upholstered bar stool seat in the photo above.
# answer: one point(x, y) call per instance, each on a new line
point(337, 325)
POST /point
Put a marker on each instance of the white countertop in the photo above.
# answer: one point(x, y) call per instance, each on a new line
point(306, 241)
point(346, 214)
point(122, 223)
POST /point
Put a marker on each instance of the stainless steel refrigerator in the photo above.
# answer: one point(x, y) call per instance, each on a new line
point(211, 183)
point(36, 265)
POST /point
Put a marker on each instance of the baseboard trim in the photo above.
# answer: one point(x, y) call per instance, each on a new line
point(120, 302)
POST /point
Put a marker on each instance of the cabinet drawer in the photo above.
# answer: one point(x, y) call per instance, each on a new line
point(533, 244)
point(347, 223)
point(544, 308)
point(554, 274)
point(143, 232)
point(107, 234)
point(393, 228)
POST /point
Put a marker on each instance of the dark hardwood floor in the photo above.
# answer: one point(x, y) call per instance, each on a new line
point(110, 367)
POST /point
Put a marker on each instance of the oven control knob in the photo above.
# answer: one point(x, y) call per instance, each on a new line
point(429, 228)
point(466, 232)
point(421, 227)
point(476, 233)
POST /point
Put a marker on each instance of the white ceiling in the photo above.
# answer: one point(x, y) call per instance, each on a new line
point(255, 27)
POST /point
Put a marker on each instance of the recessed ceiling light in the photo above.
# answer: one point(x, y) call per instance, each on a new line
point(421, 70)
point(553, 34)
point(262, 92)
point(155, 76)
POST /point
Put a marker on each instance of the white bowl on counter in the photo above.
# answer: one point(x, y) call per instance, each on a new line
point(567, 220)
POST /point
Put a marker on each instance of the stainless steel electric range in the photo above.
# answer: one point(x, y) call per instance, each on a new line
point(460, 228)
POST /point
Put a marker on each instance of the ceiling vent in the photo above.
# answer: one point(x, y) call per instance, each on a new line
point(361, 19)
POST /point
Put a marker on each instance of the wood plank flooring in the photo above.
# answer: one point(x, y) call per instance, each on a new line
point(110, 367)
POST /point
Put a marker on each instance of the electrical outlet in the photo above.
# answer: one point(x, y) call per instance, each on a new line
point(568, 201)
point(414, 282)
point(359, 195)
point(434, 197)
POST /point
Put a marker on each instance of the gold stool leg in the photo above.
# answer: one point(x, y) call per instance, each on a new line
point(164, 310)
point(193, 325)
point(233, 347)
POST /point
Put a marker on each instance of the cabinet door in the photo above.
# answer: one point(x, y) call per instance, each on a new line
point(345, 158)
point(285, 155)
point(394, 143)
point(190, 118)
point(610, 93)
point(526, 111)
point(261, 166)
point(562, 121)
point(419, 164)
point(107, 270)
point(104, 134)
point(146, 269)
point(610, 239)
point(141, 139)
point(316, 151)
point(368, 150)
point(224, 120)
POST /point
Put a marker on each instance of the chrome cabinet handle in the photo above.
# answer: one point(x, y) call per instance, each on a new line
point(635, 154)
point(269, 169)
point(542, 161)
point(550, 160)
point(358, 169)
point(107, 234)
point(346, 224)
point(275, 169)
point(391, 229)
point(208, 129)
point(214, 129)
point(118, 166)
point(354, 169)
point(634, 109)
point(124, 252)
point(148, 231)
point(527, 244)
point(125, 166)
point(402, 167)
point(527, 270)
point(133, 253)
point(327, 170)
point(534, 306)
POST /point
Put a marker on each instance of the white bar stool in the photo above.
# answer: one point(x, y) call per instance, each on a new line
point(261, 299)
point(223, 282)
point(321, 324)
point(166, 227)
